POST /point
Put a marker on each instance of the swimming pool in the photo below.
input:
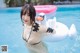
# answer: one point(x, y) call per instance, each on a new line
point(11, 28)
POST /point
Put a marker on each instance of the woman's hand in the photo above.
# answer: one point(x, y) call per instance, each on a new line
point(50, 30)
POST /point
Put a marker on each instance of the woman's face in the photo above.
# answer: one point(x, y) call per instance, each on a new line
point(26, 19)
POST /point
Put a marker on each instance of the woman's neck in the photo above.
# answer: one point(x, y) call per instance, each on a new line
point(27, 24)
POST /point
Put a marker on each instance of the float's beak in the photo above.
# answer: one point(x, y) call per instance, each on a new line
point(39, 18)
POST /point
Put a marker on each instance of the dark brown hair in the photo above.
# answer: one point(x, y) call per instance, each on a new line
point(30, 10)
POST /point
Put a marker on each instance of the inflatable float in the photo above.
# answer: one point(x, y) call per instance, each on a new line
point(62, 31)
point(47, 9)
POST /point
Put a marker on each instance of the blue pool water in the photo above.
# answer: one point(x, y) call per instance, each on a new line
point(11, 30)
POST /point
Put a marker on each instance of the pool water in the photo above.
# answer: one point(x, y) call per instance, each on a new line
point(11, 30)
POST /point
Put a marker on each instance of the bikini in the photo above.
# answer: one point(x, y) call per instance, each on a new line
point(36, 28)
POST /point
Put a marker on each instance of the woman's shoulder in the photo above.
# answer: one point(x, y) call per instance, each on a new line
point(39, 27)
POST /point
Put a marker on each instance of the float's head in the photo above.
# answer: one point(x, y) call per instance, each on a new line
point(40, 17)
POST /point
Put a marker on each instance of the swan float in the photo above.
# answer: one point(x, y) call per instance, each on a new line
point(62, 31)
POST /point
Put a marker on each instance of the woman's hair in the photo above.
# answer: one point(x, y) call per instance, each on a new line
point(29, 10)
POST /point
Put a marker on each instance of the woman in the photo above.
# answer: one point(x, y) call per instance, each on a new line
point(32, 31)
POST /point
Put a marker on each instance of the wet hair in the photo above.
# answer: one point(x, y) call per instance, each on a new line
point(30, 11)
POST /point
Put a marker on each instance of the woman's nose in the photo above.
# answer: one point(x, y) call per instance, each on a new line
point(25, 18)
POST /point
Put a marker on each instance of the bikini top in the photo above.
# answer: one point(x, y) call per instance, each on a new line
point(35, 27)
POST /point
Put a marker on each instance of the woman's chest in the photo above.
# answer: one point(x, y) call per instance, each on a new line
point(27, 31)
point(30, 31)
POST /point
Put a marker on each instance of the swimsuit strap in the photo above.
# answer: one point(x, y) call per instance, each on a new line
point(36, 43)
point(29, 34)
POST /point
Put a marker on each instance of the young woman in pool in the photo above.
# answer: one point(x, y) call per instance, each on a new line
point(32, 31)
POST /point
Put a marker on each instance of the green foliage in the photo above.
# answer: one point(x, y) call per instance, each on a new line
point(14, 3)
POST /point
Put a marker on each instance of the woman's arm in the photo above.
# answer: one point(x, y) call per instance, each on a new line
point(45, 29)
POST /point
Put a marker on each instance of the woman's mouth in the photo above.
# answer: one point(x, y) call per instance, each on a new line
point(26, 20)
